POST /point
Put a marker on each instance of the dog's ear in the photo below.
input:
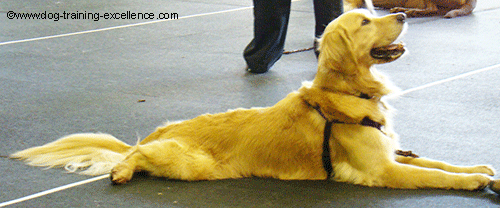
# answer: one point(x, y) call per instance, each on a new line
point(337, 50)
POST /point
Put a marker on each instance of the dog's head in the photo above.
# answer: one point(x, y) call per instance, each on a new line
point(355, 41)
point(366, 38)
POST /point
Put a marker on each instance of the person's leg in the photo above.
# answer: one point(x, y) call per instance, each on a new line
point(324, 12)
point(270, 26)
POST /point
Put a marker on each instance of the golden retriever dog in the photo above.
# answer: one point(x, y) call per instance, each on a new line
point(425, 8)
point(337, 126)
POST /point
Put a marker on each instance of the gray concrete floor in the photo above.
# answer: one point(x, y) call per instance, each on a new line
point(91, 82)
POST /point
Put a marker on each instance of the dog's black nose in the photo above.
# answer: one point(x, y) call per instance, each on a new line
point(401, 17)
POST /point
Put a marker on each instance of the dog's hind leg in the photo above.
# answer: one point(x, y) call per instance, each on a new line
point(166, 158)
point(428, 163)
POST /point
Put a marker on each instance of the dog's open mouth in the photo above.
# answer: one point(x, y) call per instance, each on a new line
point(388, 53)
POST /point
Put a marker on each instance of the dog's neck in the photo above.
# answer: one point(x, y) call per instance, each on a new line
point(365, 85)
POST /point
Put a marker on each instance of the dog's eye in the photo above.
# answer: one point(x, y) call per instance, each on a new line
point(365, 22)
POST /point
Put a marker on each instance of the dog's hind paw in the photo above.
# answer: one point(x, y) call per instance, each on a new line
point(121, 174)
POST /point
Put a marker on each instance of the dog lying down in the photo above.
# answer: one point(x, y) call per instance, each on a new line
point(342, 105)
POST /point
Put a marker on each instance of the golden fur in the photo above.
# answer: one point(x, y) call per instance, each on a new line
point(283, 141)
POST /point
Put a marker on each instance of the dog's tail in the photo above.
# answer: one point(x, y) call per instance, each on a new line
point(88, 154)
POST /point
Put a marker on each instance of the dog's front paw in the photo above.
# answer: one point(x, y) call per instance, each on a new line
point(477, 182)
point(121, 173)
point(486, 169)
point(452, 14)
point(408, 12)
point(398, 9)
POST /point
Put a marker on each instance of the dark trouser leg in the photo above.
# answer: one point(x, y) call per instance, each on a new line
point(270, 25)
point(324, 12)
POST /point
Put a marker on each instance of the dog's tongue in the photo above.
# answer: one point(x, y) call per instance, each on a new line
point(392, 51)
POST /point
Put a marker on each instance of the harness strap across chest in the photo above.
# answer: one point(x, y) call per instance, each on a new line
point(326, 156)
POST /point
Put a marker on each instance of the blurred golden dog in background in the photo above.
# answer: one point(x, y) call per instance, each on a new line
point(420, 8)
point(341, 112)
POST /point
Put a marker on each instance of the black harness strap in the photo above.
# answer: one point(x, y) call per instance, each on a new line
point(368, 122)
point(326, 156)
